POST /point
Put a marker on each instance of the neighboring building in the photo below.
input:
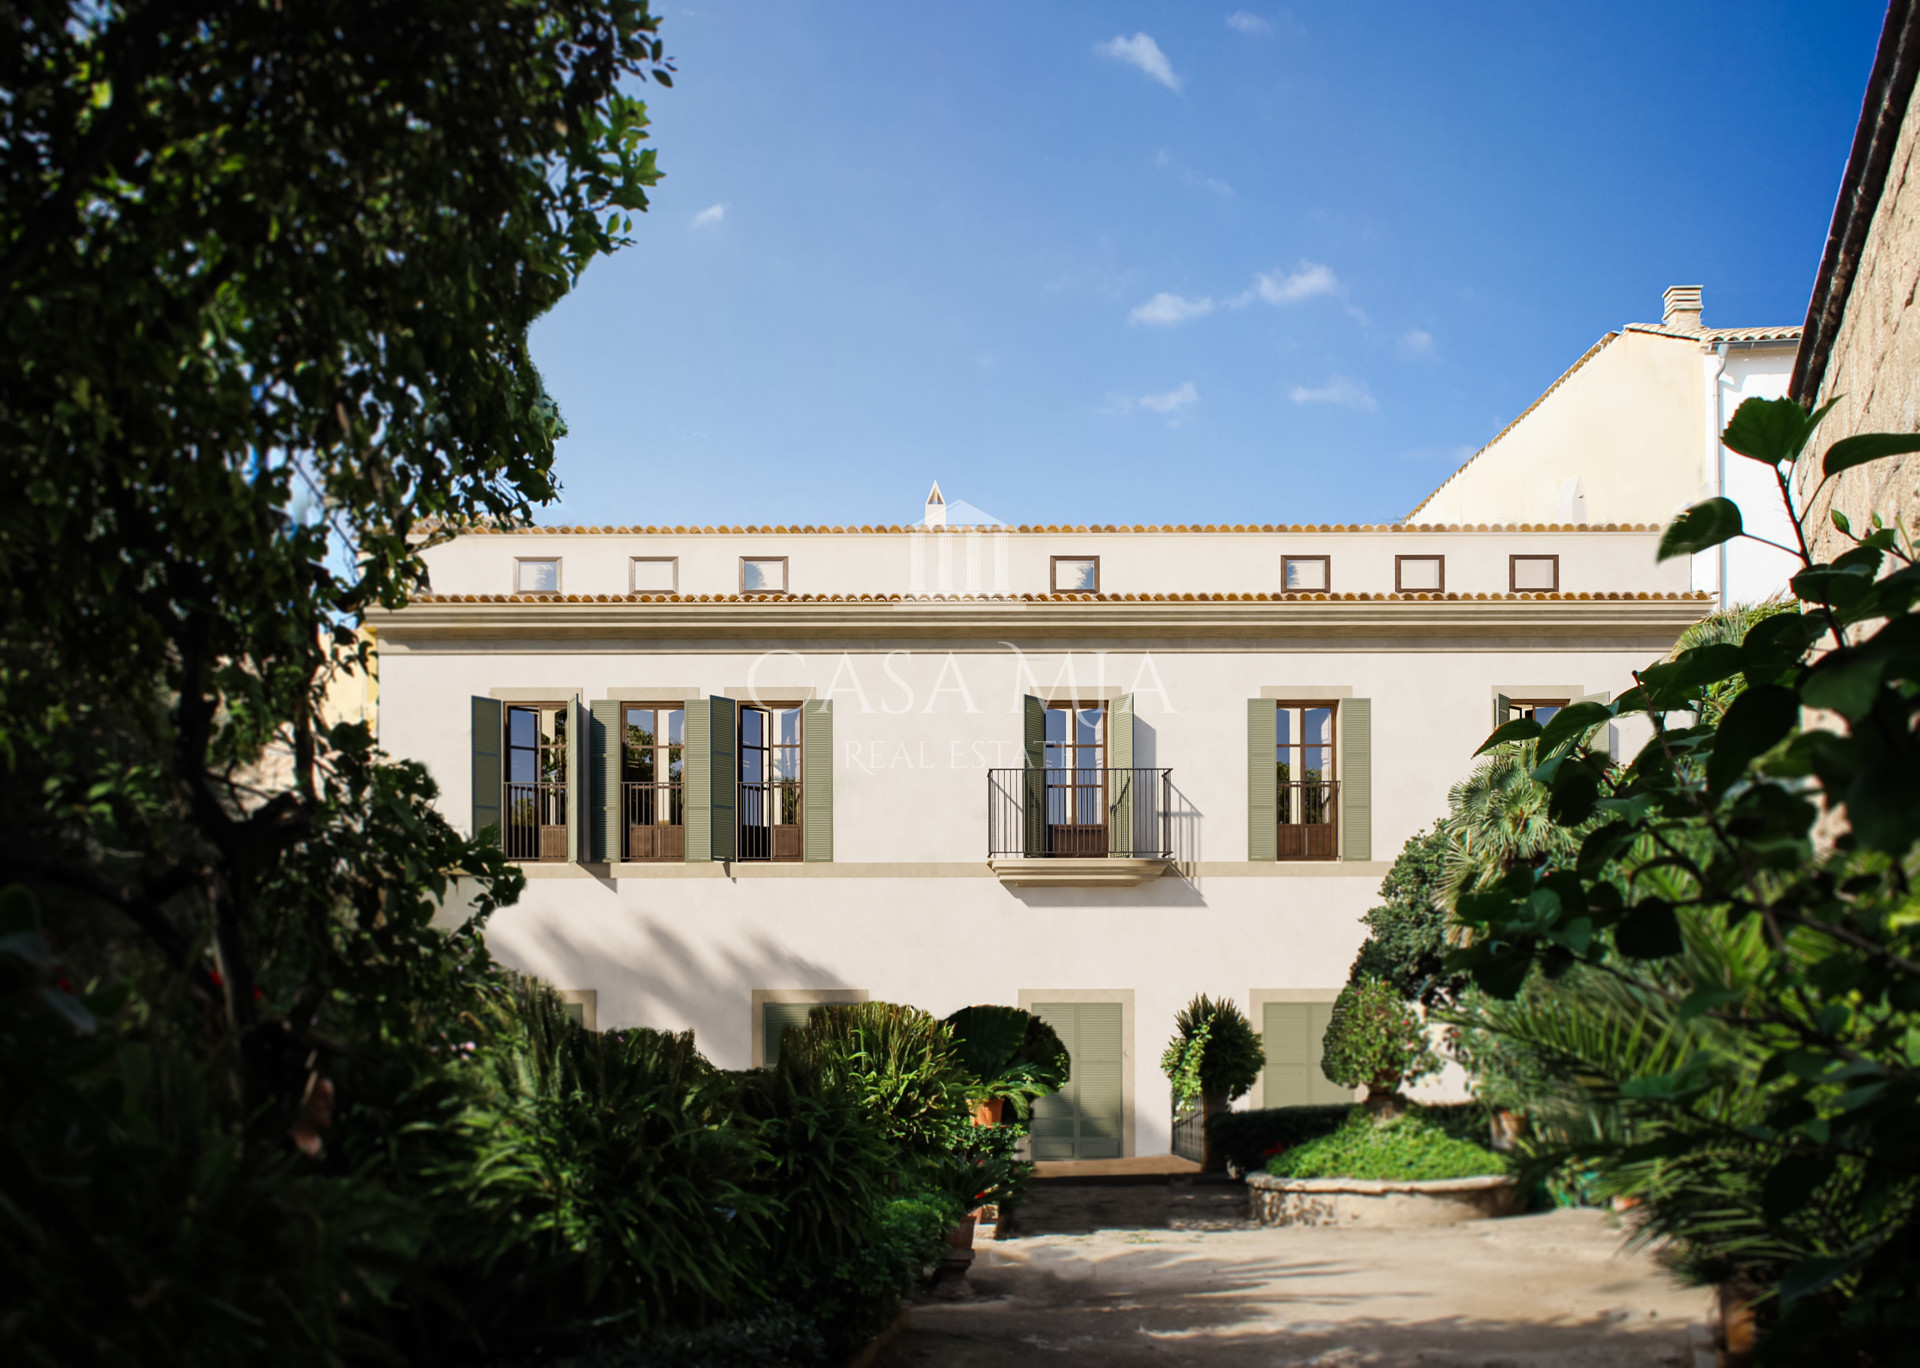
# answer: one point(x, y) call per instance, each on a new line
point(1090, 771)
point(1631, 433)
point(1863, 330)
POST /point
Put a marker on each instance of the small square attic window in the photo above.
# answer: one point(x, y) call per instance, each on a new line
point(656, 574)
point(1419, 574)
point(1533, 574)
point(536, 576)
point(763, 574)
point(1076, 574)
point(1306, 574)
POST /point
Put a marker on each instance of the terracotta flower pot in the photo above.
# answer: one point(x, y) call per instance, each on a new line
point(988, 1113)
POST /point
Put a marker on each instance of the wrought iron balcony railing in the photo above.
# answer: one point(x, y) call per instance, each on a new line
point(655, 821)
point(536, 821)
point(770, 820)
point(1309, 820)
point(1041, 813)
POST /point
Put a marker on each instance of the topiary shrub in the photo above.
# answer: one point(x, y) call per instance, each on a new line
point(1214, 1051)
point(1375, 1039)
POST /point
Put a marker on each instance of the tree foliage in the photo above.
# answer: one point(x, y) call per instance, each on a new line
point(1763, 1087)
point(1376, 1041)
point(1008, 1054)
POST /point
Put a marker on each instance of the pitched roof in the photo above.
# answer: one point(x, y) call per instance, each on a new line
point(1704, 336)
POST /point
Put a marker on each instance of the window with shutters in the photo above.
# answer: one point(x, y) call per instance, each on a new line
point(771, 802)
point(653, 760)
point(1541, 710)
point(534, 801)
point(1306, 786)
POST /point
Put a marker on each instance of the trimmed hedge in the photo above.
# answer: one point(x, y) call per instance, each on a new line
point(1244, 1137)
point(1413, 1147)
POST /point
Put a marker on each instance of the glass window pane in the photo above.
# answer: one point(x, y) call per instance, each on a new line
point(523, 726)
point(787, 727)
point(675, 720)
point(1056, 726)
point(537, 577)
point(1533, 573)
point(1076, 576)
point(1087, 732)
point(1283, 726)
point(763, 576)
point(1543, 714)
point(1420, 573)
point(753, 727)
point(1306, 573)
point(1318, 726)
point(653, 576)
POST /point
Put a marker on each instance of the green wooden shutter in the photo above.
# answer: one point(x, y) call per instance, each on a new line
point(485, 772)
point(1120, 783)
point(816, 772)
point(603, 765)
point(775, 1019)
point(1356, 779)
point(1263, 781)
point(1086, 1118)
point(696, 769)
point(1294, 1035)
point(1033, 802)
point(579, 845)
point(1502, 711)
point(723, 776)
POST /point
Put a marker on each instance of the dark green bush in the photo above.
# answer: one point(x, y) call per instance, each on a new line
point(1411, 1148)
point(1214, 1050)
point(1009, 1055)
point(1374, 1039)
point(1245, 1137)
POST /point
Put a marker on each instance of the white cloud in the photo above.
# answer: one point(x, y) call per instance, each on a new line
point(712, 215)
point(1141, 51)
point(1172, 400)
point(1165, 309)
point(1337, 390)
point(1243, 21)
point(1276, 287)
point(1415, 342)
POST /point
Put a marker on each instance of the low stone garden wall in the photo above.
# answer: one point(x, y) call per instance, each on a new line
point(1359, 1202)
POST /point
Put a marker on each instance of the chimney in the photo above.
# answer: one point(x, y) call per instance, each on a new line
point(1683, 307)
point(936, 507)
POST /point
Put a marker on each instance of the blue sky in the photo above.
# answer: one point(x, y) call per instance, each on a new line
point(1149, 263)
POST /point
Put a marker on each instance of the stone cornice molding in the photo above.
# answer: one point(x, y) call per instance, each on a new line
point(1637, 619)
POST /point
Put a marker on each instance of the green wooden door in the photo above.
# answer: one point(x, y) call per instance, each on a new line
point(1294, 1035)
point(1082, 1120)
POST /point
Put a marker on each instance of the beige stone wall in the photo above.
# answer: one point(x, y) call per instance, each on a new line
point(1875, 364)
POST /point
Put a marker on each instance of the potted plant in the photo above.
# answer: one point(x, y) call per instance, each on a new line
point(1009, 1057)
point(1376, 1040)
point(1213, 1059)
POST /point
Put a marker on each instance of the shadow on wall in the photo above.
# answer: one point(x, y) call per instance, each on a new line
point(647, 974)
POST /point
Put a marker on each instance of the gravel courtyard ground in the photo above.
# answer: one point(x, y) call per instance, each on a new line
point(1172, 1273)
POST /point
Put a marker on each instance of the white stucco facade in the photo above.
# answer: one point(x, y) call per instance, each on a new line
point(1631, 433)
point(924, 644)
